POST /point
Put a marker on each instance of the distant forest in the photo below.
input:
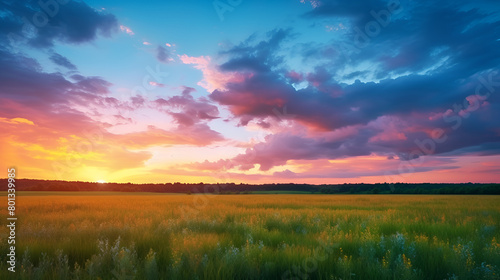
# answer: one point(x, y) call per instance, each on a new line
point(232, 188)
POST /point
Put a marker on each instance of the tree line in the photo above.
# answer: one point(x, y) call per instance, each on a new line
point(232, 188)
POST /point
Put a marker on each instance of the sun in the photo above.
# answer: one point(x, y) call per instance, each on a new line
point(101, 181)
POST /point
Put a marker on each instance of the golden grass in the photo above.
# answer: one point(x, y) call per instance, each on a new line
point(255, 236)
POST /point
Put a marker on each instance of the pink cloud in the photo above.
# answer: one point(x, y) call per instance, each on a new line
point(127, 30)
point(361, 169)
point(206, 165)
point(391, 129)
point(295, 77)
point(213, 78)
point(187, 110)
point(155, 84)
point(197, 135)
point(475, 102)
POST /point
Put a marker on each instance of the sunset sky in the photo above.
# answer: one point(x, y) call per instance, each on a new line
point(303, 91)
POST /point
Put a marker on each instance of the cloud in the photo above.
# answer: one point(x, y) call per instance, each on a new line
point(155, 84)
point(22, 80)
point(314, 3)
point(163, 55)
point(213, 77)
point(186, 110)
point(415, 39)
point(359, 167)
point(57, 113)
point(127, 30)
point(16, 121)
point(60, 117)
point(74, 22)
point(92, 84)
point(71, 123)
point(62, 61)
point(417, 73)
point(194, 134)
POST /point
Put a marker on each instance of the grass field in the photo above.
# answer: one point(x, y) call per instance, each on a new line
point(280, 192)
point(158, 236)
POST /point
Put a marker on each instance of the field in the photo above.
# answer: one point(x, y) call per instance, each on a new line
point(284, 236)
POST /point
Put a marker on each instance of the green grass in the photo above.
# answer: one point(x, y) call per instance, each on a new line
point(159, 236)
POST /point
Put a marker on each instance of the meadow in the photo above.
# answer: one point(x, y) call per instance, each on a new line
point(66, 235)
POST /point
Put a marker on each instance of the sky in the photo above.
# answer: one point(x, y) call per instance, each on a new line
point(302, 91)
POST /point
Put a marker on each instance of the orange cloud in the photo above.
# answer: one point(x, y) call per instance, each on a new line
point(16, 121)
point(198, 135)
